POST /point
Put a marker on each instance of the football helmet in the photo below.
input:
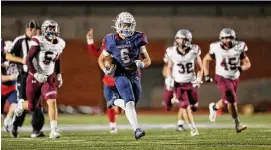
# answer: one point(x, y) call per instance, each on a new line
point(227, 33)
point(186, 35)
point(49, 28)
point(125, 24)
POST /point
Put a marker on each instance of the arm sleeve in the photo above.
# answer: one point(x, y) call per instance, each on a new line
point(57, 66)
point(31, 54)
point(93, 50)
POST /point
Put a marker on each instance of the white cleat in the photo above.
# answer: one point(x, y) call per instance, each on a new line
point(7, 125)
point(114, 130)
point(54, 134)
point(18, 111)
point(194, 132)
point(212, 115)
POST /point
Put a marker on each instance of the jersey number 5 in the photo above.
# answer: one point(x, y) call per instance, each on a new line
point(124, 55)
point(48, 57)
point(187, 68)
point(229, 63)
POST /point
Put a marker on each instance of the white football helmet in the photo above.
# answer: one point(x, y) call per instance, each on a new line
point(49, 28)
point(123, 19)
point(186, 35)
point(227, 33)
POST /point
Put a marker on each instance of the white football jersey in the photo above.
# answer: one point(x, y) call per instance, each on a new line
point(228, 61)
point(183, 70)
point(44, 61)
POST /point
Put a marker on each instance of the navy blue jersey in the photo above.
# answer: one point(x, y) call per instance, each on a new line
point(125, 52)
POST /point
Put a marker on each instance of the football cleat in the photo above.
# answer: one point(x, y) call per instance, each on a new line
point(7, 124)
point(14, 132)
point(55, 134)
point(139, 133)
point(212, 115)
point(114, 130)
point(194, 132)
point(36, 134)
point(180, 128)
point(239, 128)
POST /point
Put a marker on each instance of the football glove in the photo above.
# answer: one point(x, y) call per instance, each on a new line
point(110, 71)
point(139, 64)
point(196, 83)
point(41, 78)
point(59, 79)
point(169, 82)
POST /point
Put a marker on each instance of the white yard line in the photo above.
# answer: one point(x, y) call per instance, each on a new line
point(99, 127)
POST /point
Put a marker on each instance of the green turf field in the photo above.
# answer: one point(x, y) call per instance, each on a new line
point(256, 137)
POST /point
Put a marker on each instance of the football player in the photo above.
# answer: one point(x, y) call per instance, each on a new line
point(126, 46)
point(170, 97)
point(110, 90)
point(9, 73)
point(231, 60)
point(182, 60)
point(43, 61)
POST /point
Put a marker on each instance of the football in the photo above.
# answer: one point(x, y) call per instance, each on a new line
point(108, 62)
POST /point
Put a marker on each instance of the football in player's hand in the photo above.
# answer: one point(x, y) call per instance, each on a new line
point(108, 62)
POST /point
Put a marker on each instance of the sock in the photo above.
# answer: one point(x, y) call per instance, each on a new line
point(193, 125)
point(215, 107)
point(236, 120)
point(120, 103)
point(53, 124)
point(190, 126)
point(131, 114)
point(180, 122)
point(112, 125)
point(111, 114)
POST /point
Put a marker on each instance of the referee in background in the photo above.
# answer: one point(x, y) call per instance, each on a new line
point(18, 56)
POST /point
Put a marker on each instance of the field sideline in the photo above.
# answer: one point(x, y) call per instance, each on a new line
point(91, 132)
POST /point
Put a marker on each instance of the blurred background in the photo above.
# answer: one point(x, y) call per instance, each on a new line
point(82, 76)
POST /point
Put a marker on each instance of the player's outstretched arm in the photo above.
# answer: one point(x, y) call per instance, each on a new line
point(206, 60)
point(145, 56)
point(93, 50)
